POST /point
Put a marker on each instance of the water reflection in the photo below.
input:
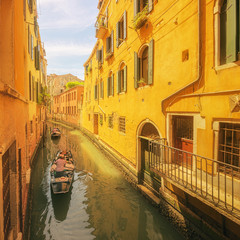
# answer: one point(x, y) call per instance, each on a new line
point(101, 204)
point(60, 204)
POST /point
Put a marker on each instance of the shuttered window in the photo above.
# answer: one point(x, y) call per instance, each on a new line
point(143, 66)
point(139, 5)
point(122, 80)
point(101, 89)
point(121, 29)
point(110, 86)
point(109, 46)
point(229, 31)
point(110, 121)
point(122, 124)
point(96, 92)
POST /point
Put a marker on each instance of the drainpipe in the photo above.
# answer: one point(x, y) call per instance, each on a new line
point(199, 60)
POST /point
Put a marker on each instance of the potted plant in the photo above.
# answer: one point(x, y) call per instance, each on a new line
point(141, 82)
point(140, 19)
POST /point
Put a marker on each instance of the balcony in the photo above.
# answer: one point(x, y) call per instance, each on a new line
point(101, 27)
point(213, 181)
point(140, 19)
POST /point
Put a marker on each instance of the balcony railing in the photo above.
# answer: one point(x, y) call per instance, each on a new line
point(212, 180)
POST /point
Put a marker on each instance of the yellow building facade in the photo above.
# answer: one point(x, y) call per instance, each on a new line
point(162, 94)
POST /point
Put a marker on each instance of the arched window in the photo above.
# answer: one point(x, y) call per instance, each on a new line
point(143, 66)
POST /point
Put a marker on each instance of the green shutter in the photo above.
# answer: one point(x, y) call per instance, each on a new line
point(117, 34)
point(106, 13)
point(108, 86)
point(136, 70)
point(231, 41)
point(150, 5)
point(125, 25)
point(112, 84)
point(102, 89)
point(107, 44)
point(150, 62)
point(118, 82)
point(97, 55)
point(136, 10)
point(125, 78)
point(102, 55)
point(112, 47)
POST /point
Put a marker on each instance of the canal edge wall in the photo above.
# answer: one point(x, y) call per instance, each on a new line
point(27, 223)
point(182, 218)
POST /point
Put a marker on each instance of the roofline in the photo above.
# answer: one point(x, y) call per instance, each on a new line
point(92, 53)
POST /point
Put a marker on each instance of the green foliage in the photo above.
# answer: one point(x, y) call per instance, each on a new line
point(140, 18)
point(70, 85)
point(44, 97)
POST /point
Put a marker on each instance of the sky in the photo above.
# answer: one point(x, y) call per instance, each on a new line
point(68, 33)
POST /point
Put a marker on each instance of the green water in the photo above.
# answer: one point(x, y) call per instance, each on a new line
point(101, 203)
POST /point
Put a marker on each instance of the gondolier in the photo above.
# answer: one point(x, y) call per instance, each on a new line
point(60, 167)
point(61, 172)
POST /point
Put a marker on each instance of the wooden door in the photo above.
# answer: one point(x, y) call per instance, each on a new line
point(183, 139)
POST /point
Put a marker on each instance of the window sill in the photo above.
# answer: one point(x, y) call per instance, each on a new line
point(122, 133)
point(122, 93)
point(146, 86)
point(227, 66)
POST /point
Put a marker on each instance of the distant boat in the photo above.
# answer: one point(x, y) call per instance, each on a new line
point(55, 133)
point(61, 181)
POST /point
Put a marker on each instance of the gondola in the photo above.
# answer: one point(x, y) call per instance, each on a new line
point(61, 181)
point(55, 133)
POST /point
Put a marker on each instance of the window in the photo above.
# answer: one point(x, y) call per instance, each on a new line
point(31, 126)
point(32, 47)
point(96, 92)
point(74, 95)
point(229, 144)
point(139, 6)
point(101, 89)
point(229, 31)
point(99, 55)
point(75, 110)
point(121, 29)
point(143, 66)
point(122, 79)
point(101, 119)
point(29, 40)
point(109, 46)
point(110, 121)
point(30, 86)
point(110, 85)
point(121, 125)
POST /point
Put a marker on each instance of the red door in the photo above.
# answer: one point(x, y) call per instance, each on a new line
point(183, 139)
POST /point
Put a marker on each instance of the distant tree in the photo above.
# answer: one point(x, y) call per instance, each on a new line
point(44, 97)
point(73, 84)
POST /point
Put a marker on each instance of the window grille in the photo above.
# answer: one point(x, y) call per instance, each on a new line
point(229, 144)
point(110, 121)
point(122, 123)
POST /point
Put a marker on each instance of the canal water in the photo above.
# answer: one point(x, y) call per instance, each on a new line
point(101, 203)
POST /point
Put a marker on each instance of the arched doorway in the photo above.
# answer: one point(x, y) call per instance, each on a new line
point(147, 133)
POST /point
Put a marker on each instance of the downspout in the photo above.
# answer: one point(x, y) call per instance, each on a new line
point(199, 60)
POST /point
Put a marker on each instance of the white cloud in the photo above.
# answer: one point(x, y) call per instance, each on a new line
point(55, 49)
point(60, 14)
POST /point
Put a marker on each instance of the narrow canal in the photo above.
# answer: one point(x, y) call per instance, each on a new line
point(101, 203)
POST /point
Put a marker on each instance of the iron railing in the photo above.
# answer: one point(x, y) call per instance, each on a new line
point(215, 181)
